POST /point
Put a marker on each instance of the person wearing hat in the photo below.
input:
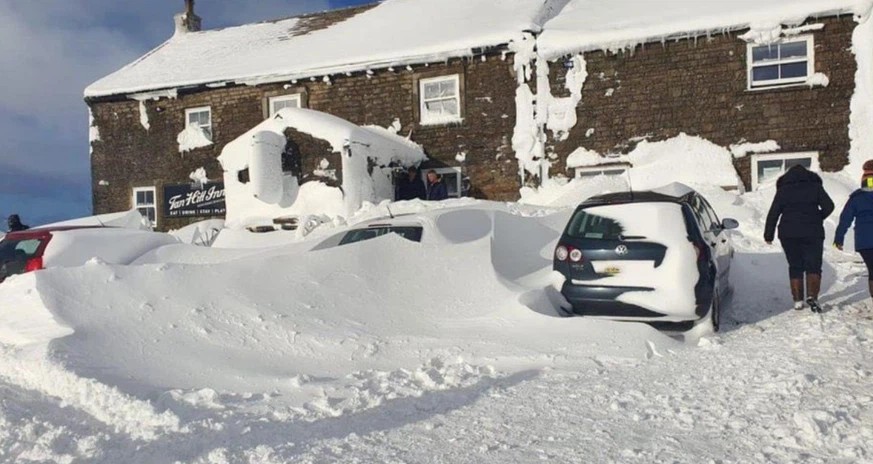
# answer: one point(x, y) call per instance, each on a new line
point(859, 210)
point(14, 223)
point(800, 208)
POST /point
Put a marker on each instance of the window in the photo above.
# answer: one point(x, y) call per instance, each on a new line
point(144, 202)
point(451, 177)
point(783, 63)
point(440, 99)
point(594, 171)
point(412, 233)
point(593, 227)
point(284, 101)
point(202, 118)
point(767, 168)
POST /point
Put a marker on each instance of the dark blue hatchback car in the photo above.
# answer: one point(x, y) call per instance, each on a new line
point(661, 257)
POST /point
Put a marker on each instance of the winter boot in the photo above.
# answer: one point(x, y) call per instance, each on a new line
point(813, 287)
point(797, 293)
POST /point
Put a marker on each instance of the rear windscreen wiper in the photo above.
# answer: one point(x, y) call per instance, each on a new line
point(624, 238)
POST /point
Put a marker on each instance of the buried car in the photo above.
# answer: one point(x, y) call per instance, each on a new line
point(68, 246)
point(661, 257)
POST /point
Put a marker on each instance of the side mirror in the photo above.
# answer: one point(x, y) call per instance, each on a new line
point(729, 224)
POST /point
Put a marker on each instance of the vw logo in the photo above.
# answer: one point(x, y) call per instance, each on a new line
point(622, 250)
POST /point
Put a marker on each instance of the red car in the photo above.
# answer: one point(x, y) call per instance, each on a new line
point(23, 251)
point(70, 246)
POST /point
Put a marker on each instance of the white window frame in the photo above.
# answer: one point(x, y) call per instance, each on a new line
point(757, 158)
point(440, 172)
point(424, 117)
point(271, 101)
point(600, 170)
point(154, 206)
point(810, 64)
point(206, 127)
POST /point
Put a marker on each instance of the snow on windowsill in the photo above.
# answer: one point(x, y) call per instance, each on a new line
point(192, 138)
point(444, 121)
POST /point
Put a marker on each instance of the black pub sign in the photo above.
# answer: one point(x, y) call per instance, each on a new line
point(194, 200)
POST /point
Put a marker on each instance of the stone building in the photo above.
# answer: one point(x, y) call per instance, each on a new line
point(449, 73)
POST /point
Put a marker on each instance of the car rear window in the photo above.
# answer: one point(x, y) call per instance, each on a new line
point(18, 250)
point(592, 227)
point(410, 233)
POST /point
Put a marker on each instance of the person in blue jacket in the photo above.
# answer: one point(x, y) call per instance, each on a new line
point(435, 190)
point(859, 210)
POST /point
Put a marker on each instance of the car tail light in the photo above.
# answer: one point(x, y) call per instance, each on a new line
point(561, 253)
point(575, 255)
point(33, 264)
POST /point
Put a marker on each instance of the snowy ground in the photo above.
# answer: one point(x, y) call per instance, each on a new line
point(444, 351)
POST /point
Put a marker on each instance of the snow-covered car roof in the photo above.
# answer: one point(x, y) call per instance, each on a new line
point(585, 25)
point(391, 33)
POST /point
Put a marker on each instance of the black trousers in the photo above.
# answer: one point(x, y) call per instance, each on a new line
point(868, 260)
point(804, 255)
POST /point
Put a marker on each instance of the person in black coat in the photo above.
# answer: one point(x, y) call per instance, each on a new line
point(800, 208)
point(436, 190)
point(410, 186)
point(14, 223)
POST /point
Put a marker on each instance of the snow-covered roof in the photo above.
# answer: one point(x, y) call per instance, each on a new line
point(585, 25)
point(394, 32)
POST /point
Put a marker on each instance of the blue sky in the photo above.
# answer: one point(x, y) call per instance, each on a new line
point(50, 50)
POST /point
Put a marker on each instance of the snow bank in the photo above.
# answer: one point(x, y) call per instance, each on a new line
point(114, 246)
point(126, 220)
point(586, 25)
point(555, 193)
point(861, 116)
point(381, 37)
point(269, 194)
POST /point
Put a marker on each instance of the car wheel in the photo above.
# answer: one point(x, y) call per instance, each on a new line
point(715, 310)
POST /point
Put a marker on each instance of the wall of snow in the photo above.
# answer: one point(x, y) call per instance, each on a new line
point(861, 117)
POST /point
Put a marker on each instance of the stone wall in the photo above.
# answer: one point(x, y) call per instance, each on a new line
point(699, 86)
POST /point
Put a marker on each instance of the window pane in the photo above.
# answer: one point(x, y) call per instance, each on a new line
point(451, 181)
point(447, 88)
point(793, 50)
point(140, 197)
point(769, 169)
point(766, 73)
point(431, 90)
point(794, 70)
point(150, 197)
point(765, 52)
point(805, 162)
point(450, 107)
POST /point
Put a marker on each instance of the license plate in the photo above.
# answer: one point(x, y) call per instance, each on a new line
point(612, 270)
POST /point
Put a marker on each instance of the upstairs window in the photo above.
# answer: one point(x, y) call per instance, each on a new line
point(202, 118)
point(144, 202)
point(440, 100)
point(284, 101)
point(788, 62)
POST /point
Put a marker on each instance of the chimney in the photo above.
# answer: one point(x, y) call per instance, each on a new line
point(188, 21)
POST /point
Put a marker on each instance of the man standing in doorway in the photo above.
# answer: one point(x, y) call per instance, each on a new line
point(436, 190)
point(410, 187)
